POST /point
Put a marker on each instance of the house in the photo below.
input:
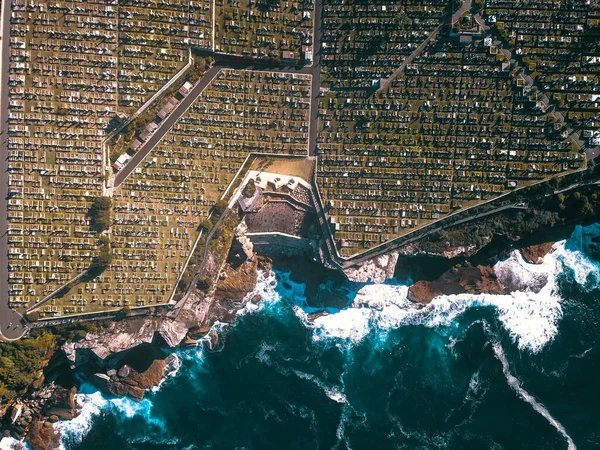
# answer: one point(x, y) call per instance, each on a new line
point(134, 147)
point(307, 52)
point(186, 88)
point(121, 161)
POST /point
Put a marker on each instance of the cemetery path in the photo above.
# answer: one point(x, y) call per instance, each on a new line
point(466, 5)
point(175, 313)
point(224, 62)
point(10, 320)
point(166, 125)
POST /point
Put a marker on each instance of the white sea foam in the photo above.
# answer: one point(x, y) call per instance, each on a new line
point(530, 314)
point(331, 391)
point(172, 371)
point(91, 404)
point(530, 318)
point(9, 443)
point(515, 384)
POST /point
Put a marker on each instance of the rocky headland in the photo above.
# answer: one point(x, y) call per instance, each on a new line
point(129, 356)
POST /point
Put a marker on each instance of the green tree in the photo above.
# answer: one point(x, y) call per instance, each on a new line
point(206, 225)
point(105, 256)
point(100, 214)
point(185, 281)
point(21, 362)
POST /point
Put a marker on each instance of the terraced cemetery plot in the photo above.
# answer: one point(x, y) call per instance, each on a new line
point(455, 130)
point(63, 73)
point(153, 45)
point(73, 67)
point(274, 29)
point(159, 207)
point(364, 42)
point(559, 45)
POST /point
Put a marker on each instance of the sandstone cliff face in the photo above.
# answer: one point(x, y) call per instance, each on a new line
point(142, 368)
point(235, 283)
point(123, 336)
point(376, 270)
point(458, 280)
point(534, 254)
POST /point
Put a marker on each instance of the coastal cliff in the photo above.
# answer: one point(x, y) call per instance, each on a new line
point(127, 357)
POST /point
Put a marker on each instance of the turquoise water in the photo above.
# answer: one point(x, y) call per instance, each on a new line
point(488, 372)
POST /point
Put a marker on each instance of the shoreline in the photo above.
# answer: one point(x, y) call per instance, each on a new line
point(107, 358)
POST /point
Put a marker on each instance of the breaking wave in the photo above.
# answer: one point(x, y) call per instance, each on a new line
point(91, 404)
point(530, 314)
point(9, 443)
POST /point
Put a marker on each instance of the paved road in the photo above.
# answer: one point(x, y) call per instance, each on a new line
point(315, 71)
point(166, 125)
point(10, 321)
point(230, 63)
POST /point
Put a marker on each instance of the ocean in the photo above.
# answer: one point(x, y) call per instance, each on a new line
point(512, 371)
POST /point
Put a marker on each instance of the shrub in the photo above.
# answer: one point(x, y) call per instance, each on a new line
point(105, 257)
point(123, 312)
point(185, 281)
point(204, 283)
point(20, 363)
point(205, 225)
point(220, 207)
point(250, 189)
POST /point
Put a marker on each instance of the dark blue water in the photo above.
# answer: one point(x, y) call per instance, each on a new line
point(278, 382)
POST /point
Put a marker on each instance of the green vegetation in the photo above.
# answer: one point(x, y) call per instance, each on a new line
point(219, 207)
point(250, 189)
point(105, 256)
point(543, 219)
point(204, 283)
point(123, 312)
point(205, 226)
point(100, 214)
point(21, 362)
point(185, 281)
point(198, 68)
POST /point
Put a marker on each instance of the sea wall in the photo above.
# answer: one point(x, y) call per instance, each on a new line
point(280, 244)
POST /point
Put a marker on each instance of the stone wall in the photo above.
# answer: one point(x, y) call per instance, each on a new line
point(279, 244)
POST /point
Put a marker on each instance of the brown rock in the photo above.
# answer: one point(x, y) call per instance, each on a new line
point(313, 316)
point(213, 339)
point(124, 371)
point(256, 298)
point(61, 404)
point(133, 383)
point(42, 436)
point(230, 292)
point(238, 282)
point(534, 254)
point(265, 263)
point(458, 280)
point(189, 342)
